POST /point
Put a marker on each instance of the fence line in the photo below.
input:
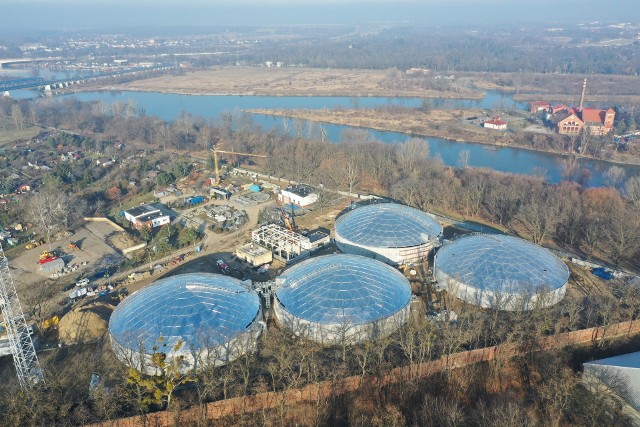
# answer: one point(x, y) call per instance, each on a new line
point(325, 389)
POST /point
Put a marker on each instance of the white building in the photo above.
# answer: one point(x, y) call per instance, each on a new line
point(146, 215)
point(495, 123)
point(621, 374)
point(300, 195)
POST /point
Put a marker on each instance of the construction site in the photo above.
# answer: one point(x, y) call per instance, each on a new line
point(355, 272)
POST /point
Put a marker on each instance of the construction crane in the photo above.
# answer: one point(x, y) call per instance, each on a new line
point(22, 349)
point(215, 160)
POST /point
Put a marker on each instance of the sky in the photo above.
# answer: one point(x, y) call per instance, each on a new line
point(47, 14)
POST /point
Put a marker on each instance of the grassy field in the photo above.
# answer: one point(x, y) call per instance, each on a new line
point(9, 133)
point(436, 123)
point(295, 82)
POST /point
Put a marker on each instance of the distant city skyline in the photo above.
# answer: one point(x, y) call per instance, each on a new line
point(38, 14)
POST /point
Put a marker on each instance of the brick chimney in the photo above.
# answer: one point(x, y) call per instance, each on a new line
point(584, 91)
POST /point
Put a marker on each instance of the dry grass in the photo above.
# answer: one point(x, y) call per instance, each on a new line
point(291, 82)
point(9, 134)
point(412, 122)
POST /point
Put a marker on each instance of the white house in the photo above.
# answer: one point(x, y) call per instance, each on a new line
point(300, 195)
point(495, 123)
point(146, 215)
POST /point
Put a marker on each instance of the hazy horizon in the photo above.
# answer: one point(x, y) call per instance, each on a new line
point(75, 14)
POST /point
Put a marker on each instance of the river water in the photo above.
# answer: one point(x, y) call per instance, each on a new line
point(503, 159)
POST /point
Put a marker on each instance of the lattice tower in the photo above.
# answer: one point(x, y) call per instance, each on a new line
point(22, 349)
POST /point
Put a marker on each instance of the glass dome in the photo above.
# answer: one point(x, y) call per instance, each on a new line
point(200, 310)
point(388, 225)
point(490, 262)
point(333, 289)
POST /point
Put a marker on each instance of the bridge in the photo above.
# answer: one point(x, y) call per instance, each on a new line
point(47, 85)
point(21, 83)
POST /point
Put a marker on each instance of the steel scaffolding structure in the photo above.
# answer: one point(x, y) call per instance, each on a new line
point(22, 349)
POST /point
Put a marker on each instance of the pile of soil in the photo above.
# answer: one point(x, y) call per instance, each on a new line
point(122, 240)
point(85, 323)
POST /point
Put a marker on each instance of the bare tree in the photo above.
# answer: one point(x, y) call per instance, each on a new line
point(411, 153)
point(632, 190)
point(17, 116)
point(50, 211)
point(463, 159)
point(614, 176)
point(541, 213)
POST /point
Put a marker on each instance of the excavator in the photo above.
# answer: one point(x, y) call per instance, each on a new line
point(285, 217)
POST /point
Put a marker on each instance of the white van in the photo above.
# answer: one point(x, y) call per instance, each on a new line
point(83, 282)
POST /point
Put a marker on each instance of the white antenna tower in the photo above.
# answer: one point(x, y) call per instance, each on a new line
point(22, 349)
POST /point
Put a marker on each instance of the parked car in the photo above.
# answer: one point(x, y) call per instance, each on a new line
point(82, 282)
point(224, 268)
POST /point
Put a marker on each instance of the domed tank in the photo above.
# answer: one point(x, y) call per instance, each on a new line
point(388, 232)
point(195, 320)
point(501, 272)
point(337, 298)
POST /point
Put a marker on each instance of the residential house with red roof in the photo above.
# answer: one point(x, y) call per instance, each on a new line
point(495, 123)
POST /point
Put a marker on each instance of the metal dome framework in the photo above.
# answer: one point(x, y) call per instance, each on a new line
point(390, 232)
point(501, 272)
point(199, 319)
point(338, 298)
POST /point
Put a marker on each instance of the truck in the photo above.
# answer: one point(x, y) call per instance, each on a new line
point(195, 200)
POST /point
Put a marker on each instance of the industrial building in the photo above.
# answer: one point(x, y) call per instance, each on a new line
point(197, 319)
point(299, 195)
point(341, 298)
point(254, 254)
point(392, 233)
point(146, 216)
point(501, 272)
point(288, 245)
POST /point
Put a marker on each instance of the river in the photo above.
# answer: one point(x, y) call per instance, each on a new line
point(503, 159)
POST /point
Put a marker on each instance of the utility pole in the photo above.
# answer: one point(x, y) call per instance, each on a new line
point(22, 349)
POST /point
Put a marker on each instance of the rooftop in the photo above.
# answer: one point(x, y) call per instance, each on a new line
point(142, 210)
point(300, 190)
point(591, 115)
point(253, 249)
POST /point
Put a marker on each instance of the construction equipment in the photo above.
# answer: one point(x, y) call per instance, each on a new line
point(285, 217)
point(46, 257)
point(34, 244)
point(46, 254)
point(215, 160)
point(51, 322)
point(22, 349)
point(73, 247)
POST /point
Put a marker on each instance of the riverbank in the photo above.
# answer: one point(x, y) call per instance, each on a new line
point(574, 99)
point(293, 81)
point(451, 125)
